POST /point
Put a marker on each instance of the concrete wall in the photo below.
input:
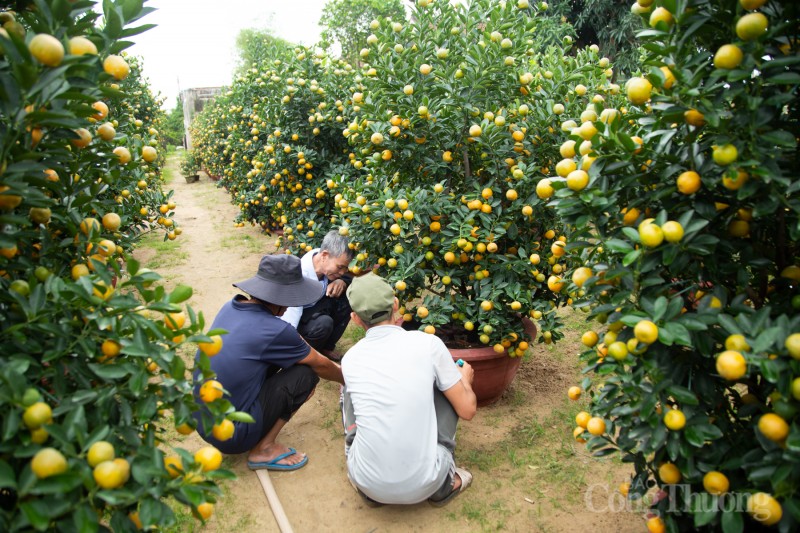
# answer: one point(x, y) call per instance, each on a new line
point(193, 102)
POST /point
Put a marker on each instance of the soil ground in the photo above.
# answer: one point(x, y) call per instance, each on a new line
point(530, 475)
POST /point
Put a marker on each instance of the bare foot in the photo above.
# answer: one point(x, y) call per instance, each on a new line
point(272, 451)
point(457, 482)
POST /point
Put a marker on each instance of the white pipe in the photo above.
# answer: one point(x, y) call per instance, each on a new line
point(274, 502)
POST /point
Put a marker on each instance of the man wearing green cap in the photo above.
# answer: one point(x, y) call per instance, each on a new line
point(401, 403)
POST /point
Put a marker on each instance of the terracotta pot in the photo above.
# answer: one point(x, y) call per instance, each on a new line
point(494, 371)
point(211, 176)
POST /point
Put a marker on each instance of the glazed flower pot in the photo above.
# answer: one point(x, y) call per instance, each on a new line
point(191, 179)
point(494, 371)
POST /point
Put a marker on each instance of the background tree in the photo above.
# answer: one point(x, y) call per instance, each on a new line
point(346, 23)
point(607, 23)
point(256, 45)
point(173, 129)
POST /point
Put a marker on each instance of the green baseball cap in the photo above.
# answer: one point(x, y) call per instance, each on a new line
point(371, 298)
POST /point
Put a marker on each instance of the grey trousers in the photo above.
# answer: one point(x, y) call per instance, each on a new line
point(446, 424)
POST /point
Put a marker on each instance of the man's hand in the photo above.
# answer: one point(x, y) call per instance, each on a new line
point(335, 288)
point(461, 395)
point(467, 372)
point(324, 367)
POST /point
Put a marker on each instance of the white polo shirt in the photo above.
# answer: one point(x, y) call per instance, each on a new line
point(390, 375)
point(293, 314)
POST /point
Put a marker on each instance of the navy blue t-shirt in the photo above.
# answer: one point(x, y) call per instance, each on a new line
point(256, 342)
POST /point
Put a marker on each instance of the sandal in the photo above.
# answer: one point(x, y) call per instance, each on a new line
point(275, 464)
point(466, 481)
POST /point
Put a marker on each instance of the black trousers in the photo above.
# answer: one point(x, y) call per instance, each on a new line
point(323, 324)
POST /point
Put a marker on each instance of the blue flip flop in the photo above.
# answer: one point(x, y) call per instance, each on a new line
point(275, 465)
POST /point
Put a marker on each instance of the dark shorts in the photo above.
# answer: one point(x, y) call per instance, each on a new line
point(282, 393)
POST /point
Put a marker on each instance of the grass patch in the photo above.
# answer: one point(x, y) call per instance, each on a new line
point(244, 243)
point(167, 253)
point(477, 515)
point(185, 522)
point(484, 459)
point(332, 419)
point(168, 174)
point(351, 335)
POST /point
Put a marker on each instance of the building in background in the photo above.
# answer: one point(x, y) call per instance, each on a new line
point(193, 102)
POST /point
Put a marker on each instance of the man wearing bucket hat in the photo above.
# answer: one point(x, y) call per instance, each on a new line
point(401, 403)
point(264, 365)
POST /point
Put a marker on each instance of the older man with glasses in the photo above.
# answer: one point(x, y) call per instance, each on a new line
point(323, 322)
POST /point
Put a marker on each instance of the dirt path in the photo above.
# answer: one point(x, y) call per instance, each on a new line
point(529, 473)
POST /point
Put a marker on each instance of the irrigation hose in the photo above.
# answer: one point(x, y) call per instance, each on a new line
point(274, 502)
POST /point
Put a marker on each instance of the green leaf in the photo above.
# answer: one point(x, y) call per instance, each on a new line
point(698, 434)
point(705, 508)
point(74, 422)
point(659, 308)
point(732, 521)
point(36, 513)
point(674, 308)
point(631, 233)
point(179, 294)
point(631, 257)
point(131, 8)
point(763, 473)
point(729, 324)
point(132, 265)
point(57, 485)
point(772, 369)
point(130, 32)
point(111, 371)
point(766, 340)
point(177, 367)
point(682, 395)
point(10, 425)
point(154, 512)
point(691, 324)
point(793, 441)
point(193, 494)
point(220, 474)
point(618, 245)
point(604, 452)
point(85, 519)
point(665, 336)
point(780, 138)
point(239, 416)
point(792, 505)
point(7, 478)
point(679, 333)
point(787, 78)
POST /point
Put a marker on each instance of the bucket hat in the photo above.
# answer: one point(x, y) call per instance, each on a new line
point(280, 281)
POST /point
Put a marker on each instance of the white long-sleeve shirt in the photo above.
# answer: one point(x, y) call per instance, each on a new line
point(293, 314)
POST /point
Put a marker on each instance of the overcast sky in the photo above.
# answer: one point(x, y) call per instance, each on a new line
point(194, 43)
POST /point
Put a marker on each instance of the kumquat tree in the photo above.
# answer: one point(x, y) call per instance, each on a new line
point(449, 126)
point(275, 136)
point(491, 171)
point(688, 234)
point(454, 139)
point(91, 378)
